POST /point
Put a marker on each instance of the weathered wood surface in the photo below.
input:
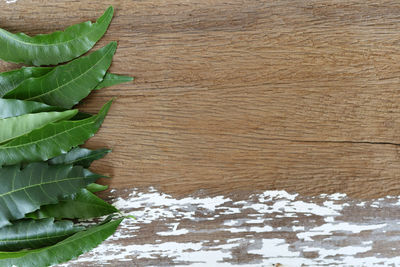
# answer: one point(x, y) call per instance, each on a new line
point(263, 229)
point(237, 96)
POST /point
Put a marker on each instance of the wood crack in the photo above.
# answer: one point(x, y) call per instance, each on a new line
point(334, 141)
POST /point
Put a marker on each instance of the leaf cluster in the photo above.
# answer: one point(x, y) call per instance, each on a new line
point(46, 188)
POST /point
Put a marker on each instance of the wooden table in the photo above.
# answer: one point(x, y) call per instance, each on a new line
point(232, 98)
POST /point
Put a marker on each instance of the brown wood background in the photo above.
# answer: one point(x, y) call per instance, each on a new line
point(244, 95)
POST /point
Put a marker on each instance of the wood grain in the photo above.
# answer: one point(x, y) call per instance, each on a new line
point(244, 95)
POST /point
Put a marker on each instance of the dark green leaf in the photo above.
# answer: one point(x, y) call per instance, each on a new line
point(24, 191)
point(54, 48)
point(11, 79)
point(82, 205)
point(96, 187)
point(33, 234)
point(14, 127)
point(15, 107)
point(111, 79)
point(81, 116)
point(80, 156)
point(63, 251)
point(67, 84)
point(51, 140)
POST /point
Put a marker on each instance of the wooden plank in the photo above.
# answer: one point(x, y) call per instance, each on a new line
point(229, 91)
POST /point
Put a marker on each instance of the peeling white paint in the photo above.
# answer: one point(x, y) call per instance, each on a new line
point(337, 196)
point(351, 250)
point(272, 247)
point(174, 231)
point(267, 228)
point(332, 228)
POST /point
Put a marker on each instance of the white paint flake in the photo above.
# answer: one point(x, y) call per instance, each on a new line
point(174, 231)
point(332, 228)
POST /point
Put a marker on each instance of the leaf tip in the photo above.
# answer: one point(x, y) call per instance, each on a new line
point(108, 14)
point(129, 78)
point(114, 44)
point(74, 111)
point(110, 9)
point(104, 110)
point(131, 217)
point(111, 47)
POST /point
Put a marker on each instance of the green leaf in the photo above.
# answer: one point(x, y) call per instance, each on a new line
point(15, 107)
point(51, 140)
point(82, 205)
point(67, 84)
point(111, 79)
point(54, 48)
point(94, 188)
point(80, 156)
point(14, 127)
point(63, 251)
point(11, 79)
point(33, 234)
point(24, 191)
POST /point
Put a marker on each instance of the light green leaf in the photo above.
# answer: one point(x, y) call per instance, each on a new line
point(11, 79)
point(80, 156)
point(94, 188)
point(15, 107)
point(14, 127)
point(67, 84)
point(111, 79)
point(82, 205)
point(33, 234)
point(54, 48)
point(24, 191)
point(63, 251)
point(51, 140)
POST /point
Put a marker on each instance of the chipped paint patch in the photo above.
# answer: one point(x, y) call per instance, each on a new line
point(174, 231)
point(251, 230)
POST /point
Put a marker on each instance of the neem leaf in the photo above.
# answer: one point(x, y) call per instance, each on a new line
point(15, 107)
point(24, 191)
point(96, 187)
point(82, 205)
point(14, 127)
point(51, 140)
point(11, 79)
point(111, 79)
point(33, 234)
point(63, 251)
point(80, 156)
point(67, 84)
point(54, 48)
